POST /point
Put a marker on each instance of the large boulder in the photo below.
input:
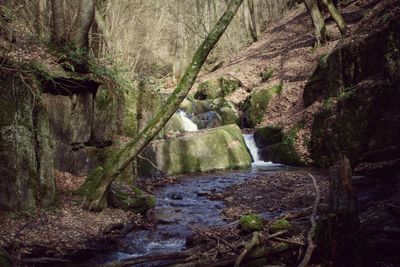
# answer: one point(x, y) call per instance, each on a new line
point(256, 104)
point(216, 87)
point(217, 149)
point(26, 147)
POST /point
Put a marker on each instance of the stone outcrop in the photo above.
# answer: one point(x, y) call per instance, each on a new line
point(26, 146)
point(216, 149)
point(359, 85)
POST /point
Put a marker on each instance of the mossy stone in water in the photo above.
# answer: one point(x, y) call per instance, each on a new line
point(251, 222)
point(280, 225)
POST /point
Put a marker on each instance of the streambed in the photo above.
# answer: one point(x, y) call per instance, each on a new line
point(181, 206)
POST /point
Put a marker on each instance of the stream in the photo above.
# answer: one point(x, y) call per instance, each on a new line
point(185, 204)
point(182, 205)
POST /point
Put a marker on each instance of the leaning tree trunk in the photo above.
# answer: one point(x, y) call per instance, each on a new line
point(318, 21)
point(80, 35)
point(58, 31)
point(98, 182)
point(336, 16)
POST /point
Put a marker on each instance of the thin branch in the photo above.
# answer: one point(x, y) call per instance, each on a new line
point(311, 245)
point(247, 248)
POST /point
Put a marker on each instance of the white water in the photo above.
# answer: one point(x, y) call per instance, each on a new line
point(251, 145)
point(188, 124)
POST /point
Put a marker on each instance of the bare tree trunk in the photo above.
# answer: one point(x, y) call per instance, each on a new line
point(59, 30)
point(248, 19)
point(179, 59)
point(80, 36)
point(318, 21)
point(40, 23)
point(98, 182)
point(336, 16)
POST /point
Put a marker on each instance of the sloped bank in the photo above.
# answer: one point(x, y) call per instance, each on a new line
point(216, 149)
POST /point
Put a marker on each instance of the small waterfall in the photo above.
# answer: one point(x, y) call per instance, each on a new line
point(188, 124)
point(251, 145)
point(257, 163)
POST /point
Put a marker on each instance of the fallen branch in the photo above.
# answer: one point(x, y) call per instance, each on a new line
point(201, 231)
point(247, 248)
point(310, 243)
point(294, 242)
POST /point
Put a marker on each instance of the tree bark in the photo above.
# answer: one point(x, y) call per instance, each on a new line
point(98, 182)
point(80, 36)
point(179, 45)
point(318, 21)
point(336, 16)
point(59, 30)
point(338, 235)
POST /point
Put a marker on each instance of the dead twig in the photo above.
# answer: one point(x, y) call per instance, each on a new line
point(247, 248)
point(201, 231)
point(310, 243)
point(294, 242)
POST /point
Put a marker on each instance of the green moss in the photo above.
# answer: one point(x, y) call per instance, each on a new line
point(266, 75)
point(251, 222)
point(123, 197)
point(216, 87)
point(256, 104)
point(268, 135)
point(280, 225)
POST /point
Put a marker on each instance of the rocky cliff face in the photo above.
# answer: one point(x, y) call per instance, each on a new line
point(359, 85)
point(60, 123)
point(26, 146)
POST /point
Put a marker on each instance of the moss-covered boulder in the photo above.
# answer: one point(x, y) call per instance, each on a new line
point(174, 125)
point(268, 135)
point(125, 197)
point(216, 87)
point(207, 120)
point(216, 149)
point(251, 222)
point(276, 146)
point(280, 225)
point(255, 105)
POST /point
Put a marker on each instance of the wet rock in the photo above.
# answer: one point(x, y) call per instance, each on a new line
point(202, 193)
point(176, 196)
point(174, 125)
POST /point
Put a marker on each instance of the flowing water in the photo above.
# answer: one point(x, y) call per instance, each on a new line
point(184, 205)
point(188, 124)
